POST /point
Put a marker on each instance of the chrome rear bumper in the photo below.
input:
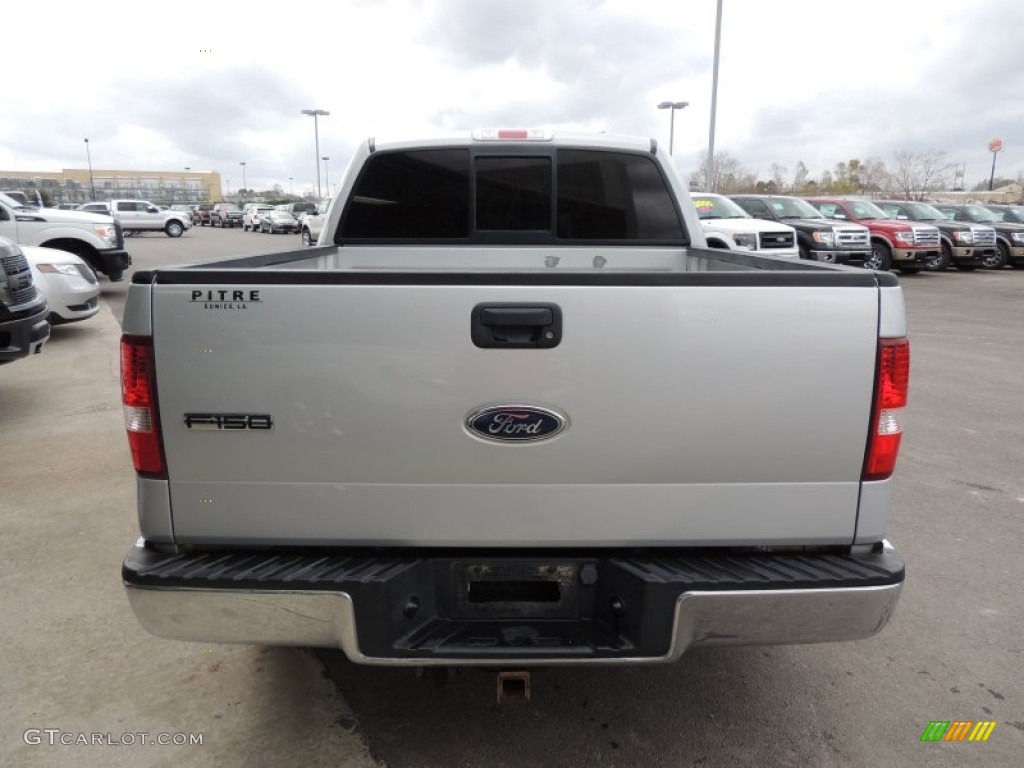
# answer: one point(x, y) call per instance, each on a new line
point(328, 618)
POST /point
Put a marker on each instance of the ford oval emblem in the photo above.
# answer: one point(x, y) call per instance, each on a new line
point(515, 423)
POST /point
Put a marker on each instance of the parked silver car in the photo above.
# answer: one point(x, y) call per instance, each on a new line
point(278, 219)
point(68, 283)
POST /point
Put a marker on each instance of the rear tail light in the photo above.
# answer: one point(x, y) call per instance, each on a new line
point(892, 379)
point(138, 394)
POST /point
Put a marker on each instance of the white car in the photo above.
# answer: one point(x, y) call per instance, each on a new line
point(312, 223)
point(68, 283)
point(728, 226)
point(252, 216)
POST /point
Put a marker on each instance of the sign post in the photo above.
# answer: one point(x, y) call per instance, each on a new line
point(995, 147)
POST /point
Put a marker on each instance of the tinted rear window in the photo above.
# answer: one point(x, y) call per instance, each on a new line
point(607, 196)
point(422, 195)
point(587, 196)
point(513, 193)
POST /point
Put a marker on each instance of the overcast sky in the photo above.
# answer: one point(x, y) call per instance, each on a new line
point(167, 85)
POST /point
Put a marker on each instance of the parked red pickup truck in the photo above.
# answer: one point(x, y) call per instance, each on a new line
point(907, 246)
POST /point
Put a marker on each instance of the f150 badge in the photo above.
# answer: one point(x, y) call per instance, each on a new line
point(515, 423)
point(229, 422)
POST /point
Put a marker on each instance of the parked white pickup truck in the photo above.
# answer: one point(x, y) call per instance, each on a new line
point(94, 237)
point(726, 225)
point(142, 216)
point(512, 411)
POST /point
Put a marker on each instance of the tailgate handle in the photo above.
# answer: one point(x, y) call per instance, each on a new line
point(516, 326)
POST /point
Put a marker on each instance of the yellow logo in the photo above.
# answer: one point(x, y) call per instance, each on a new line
point(958, 730)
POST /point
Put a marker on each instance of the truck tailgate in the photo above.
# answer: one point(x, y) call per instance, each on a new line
point(696, 414)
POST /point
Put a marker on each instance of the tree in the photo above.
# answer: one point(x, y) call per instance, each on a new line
point(846, 180)
point(859, 177)
point(916, 176)
point(800, 179)
point(728, 176)
point(999, 181)
point(873, 176)
point(778, 180)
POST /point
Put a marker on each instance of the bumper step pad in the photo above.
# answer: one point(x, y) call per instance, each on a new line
point(541, 605)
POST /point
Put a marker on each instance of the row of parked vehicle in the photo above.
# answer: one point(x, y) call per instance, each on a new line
point(883, 234)
point(251, 217)
point(301, 217)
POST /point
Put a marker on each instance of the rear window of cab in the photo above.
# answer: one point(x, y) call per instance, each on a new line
point(452, 195)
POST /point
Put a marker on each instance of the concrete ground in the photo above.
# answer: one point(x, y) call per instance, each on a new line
point(75, 659)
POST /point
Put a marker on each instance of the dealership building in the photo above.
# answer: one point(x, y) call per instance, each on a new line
point(79, 185)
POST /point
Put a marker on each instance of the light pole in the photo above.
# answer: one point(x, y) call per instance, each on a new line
point(327, 177)
point(672, 106)
point(245, 188)
point(709, 168)
point(92, 184)
point(316, 133)
point(291, 186)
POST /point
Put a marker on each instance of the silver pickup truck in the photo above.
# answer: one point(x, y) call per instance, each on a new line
point(512, 411)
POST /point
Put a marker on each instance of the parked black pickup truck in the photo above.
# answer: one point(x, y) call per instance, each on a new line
point(23, 326)
point(201, 214)
point(1005, 212)
point(818, 238)
point(1009, 235)
point(225, 215)
point(964, 245)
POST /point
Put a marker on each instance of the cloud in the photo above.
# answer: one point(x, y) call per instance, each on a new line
point(576, 64)
point(794, 85)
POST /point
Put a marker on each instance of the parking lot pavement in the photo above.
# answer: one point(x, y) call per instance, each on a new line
point(74, 659)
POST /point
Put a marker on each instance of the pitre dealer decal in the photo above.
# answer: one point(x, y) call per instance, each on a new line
point(515, 423)
point(225, 298)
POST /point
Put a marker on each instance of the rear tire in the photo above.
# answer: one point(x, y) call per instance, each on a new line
point(174, 229)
